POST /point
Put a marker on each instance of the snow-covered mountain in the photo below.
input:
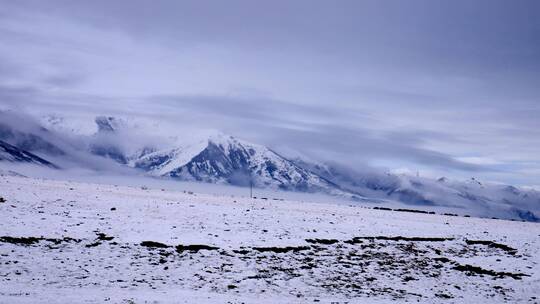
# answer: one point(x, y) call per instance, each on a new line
point(210, 157)
point(226, 160)
point(13, 154)
point(107, 146)
point(207, 156)
point(214, 157)
point(32, 138)
point(462, 196)
point(63, 149)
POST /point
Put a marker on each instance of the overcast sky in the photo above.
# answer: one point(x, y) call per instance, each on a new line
point(444, 87)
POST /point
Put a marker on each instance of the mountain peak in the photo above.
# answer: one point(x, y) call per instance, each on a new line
point(108, 123)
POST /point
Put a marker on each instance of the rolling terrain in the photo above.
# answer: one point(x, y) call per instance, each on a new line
point(63, 241)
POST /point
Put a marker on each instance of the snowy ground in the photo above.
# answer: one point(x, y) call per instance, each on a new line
point(67, 242)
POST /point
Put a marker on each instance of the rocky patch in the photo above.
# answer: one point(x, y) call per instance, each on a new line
point(492, 244)
point(367, 266)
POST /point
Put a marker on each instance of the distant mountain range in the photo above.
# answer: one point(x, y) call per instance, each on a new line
point(224, 159)
point(461, 196)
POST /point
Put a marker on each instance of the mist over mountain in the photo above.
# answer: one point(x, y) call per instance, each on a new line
point(486, 198)
point(116, 144)
point(63, 149)
point(240, 151)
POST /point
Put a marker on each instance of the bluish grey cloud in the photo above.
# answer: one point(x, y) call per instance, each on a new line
point(437, 85)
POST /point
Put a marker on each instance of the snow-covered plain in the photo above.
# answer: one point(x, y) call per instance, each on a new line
point(74, 242)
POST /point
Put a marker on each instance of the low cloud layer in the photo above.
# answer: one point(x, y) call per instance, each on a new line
point(440, 88)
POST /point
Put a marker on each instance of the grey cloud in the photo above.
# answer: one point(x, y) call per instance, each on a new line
point(65, 80)
point(264, 110)
point(425, 82)
point(443, 37)
point(359, 146)
point(308, 128)
point(15, 95)
point(8, 69)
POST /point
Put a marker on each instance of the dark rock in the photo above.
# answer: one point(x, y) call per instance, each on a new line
point(491, 244)
point(153, 244)
point(281, 249)
point(104, 237)
point(322, 241)
point(194, 248)
point(479, 270)
point(20, 240)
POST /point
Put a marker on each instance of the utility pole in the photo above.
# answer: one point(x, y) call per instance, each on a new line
point(250, 186)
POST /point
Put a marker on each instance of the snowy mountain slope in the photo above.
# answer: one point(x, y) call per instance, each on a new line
point(123, 140)
point(69, 151)
point(160, 163)
point(109, 123)
point(105, 136)
point(492, 200)
point(11, 153)
point(105, 141)
point(206, 156)
point(68, 125)
point(67, 242)
point(27, 135)
point(226, 160)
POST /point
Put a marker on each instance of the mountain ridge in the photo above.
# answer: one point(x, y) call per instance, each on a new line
point(13, 154)
point(214, 157)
